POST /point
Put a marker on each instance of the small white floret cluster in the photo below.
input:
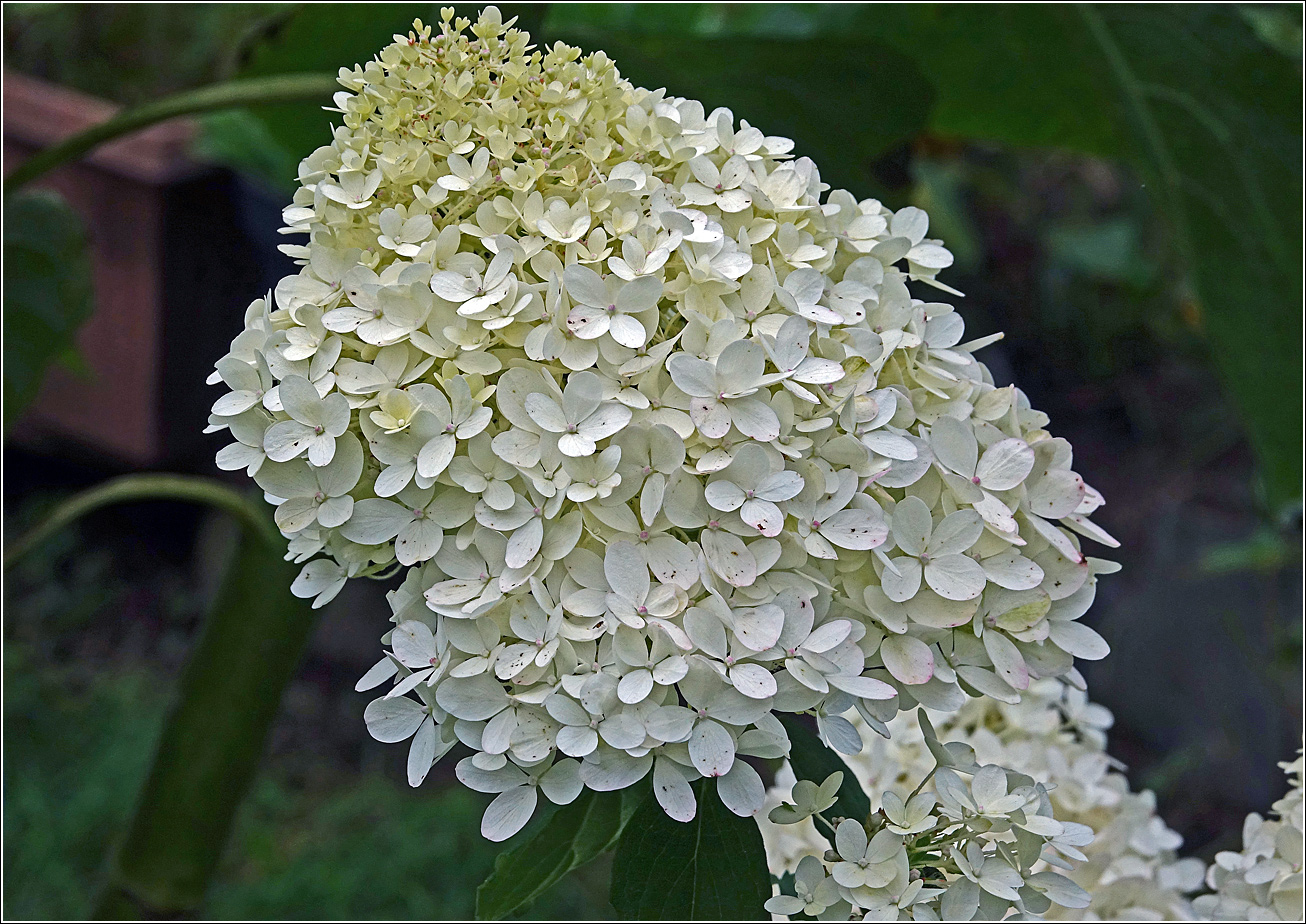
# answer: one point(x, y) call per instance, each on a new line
point(980, 841)
point(655, 425)
point(1131, 870)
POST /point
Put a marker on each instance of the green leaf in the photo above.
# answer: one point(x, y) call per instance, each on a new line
point(48, 291)
point(812, 760)
point(575, 835)
point(712, 867)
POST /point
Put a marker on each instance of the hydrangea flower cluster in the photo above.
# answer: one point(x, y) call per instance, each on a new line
point(654, 426)
point(980, 842)
point(1131, 870)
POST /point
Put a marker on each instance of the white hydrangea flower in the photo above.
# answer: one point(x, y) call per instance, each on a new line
point(650, 416)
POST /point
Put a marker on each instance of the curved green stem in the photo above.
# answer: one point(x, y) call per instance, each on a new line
point(132, 488)
point(280, 88)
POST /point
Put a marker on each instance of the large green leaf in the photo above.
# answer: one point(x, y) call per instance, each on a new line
point(1195, 97)
point(812, 760)
point(710, 868)
point(574, 836)
point(48, 291)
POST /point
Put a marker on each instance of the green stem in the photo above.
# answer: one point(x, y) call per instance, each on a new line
point(280, 88)
point(212, 744)
point(132, 488)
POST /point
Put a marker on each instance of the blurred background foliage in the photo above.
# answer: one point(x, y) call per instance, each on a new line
point(1121, 186)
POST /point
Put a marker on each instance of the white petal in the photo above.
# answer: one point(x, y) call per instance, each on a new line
point(1006, 659)
point(901, 584)
point(741, 790)
point(672, 790)
point(753, 680)
point(855, 529)
point(955, 577)
point(907, 658)
point(561, 783)
point(392, 720)
point(413, 643)
point(1079, 640)
point(711, 748)
point(1012, 570)
point(375, 521)
point(421, 754)
point(912, 525)
point(471, 698)
point(1005, 464)
point(508, 813)
point(635, 686)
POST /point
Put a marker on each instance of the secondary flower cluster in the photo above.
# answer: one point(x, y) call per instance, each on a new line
point(656, 426)
point(980, 843)
point(1130, 870)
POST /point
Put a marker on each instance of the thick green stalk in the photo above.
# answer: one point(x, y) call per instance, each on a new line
point(213, 740)
point(280, 88)
point(226, 699)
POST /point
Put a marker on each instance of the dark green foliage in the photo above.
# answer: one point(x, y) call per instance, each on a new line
point(47, 291)
point(572, 837)
point(710, 868)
